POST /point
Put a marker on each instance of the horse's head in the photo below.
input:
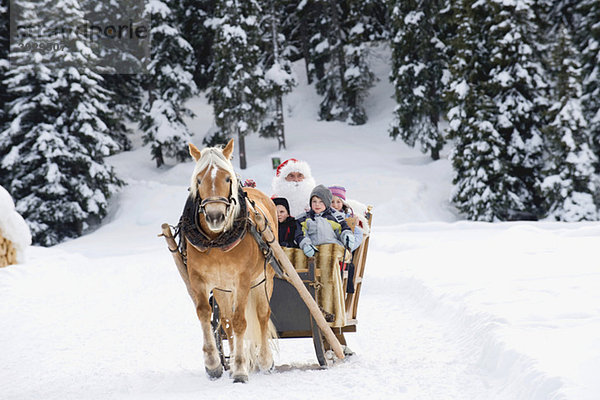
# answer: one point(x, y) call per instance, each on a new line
point(214, 184)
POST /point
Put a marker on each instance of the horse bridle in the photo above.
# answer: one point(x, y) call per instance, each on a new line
point(228, 201)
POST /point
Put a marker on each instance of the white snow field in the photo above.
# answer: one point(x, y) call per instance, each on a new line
point(449, 309)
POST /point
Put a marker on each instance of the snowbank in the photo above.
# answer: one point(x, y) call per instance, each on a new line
point(12, 226)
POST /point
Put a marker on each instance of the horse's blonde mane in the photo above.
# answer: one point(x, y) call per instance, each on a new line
point(213, 156)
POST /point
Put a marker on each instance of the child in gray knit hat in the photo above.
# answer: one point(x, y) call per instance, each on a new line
point(322, 224)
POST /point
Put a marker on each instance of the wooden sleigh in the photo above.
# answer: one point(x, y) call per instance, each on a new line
point(294, 315)
point(322, 278)
point(336, 293)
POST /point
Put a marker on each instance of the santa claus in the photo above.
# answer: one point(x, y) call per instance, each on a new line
point(294, 182)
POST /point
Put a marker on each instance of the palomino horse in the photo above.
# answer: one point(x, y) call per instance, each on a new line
point(232, 266)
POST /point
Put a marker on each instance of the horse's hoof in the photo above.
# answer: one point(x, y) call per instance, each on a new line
point(240, 378)
point(268, 369)
point(214, 373)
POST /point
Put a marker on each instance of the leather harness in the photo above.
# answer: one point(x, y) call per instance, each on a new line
point(189, 228)
point(189, 224)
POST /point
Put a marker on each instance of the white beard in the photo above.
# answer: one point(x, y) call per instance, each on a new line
point(296, 193)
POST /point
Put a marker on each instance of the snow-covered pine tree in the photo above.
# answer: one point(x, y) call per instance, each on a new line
point(358, 75)
point(506, 73)
point(570, 184)
point(338, 45)
point(238, 91)
point(125, 100)
point(482, 187)
point(332, 84)
point(418, 64)
point(120, 62)
point(588, 40)
point(4, 63)
point(375, 15)
point(294, 28)
point(279, 77)
point(314, 28)
point(51, 154)
point(518, 88)
point(192, 14)
point(169, 83)
point(307, 25)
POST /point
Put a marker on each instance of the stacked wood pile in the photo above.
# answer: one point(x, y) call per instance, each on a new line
point(8, 254)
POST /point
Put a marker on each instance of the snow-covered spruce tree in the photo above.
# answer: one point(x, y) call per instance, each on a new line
point(569, 185)
point(51, 154)
point(279, 77)
point(418, 63)
point(358, 75)
point(293, 26)
point(588, 40)
point(339, 48)
point(505, 72)
point(192, 14)
point(4, 63)
point(518, 88)
point(238, 91)
point(307, 26)
point(375, 18)
point(168, 84)
point(482, 187)
point(332, 85)
point(120, 62)
point(314, 26)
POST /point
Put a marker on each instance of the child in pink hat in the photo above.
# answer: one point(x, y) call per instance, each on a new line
point(338, 202)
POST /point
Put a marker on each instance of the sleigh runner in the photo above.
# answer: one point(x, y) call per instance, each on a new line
point(226, 246)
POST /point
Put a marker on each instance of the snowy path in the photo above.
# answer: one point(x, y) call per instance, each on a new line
point(74, 326)
point(106, 316)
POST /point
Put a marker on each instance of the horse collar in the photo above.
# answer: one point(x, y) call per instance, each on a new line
point(227, 240)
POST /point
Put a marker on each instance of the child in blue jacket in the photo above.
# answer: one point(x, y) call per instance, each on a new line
point(322, 224)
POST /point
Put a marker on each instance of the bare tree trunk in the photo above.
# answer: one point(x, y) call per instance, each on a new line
point(336, 30)
point(304, 39)
point(156, 149)
point(435, 118)
point(278, 100)
point(157, 155)
point(280, 122)
point(242, 145)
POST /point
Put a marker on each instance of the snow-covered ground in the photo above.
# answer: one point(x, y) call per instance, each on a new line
point(449, 309)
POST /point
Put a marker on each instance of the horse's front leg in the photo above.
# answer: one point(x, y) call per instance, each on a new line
point(239, 369)
point(263, 311)
point(212, 360)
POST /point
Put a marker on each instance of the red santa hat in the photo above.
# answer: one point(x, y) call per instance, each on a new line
point(293, 165)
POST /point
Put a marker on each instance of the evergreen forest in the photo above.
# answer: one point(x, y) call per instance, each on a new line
point(511, 87)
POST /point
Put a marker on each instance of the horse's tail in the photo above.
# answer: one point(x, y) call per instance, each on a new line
point(253, 331)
